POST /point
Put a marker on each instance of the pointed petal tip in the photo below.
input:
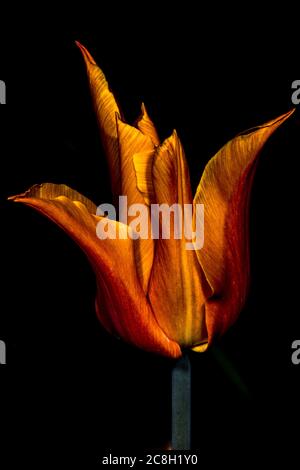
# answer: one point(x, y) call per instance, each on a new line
point(280, 119)
point(173, 139)
point(272, 124)
point(16, 198)
point(289, 113)
point(86, 55)
point(145, 124)
point(175, 136)
point(143, 114)
point(19, 197)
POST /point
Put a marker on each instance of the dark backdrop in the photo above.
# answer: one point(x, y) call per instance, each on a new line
point(70, 391)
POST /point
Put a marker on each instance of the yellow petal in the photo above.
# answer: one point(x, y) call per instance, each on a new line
point(176, 290)
point(121, 141)
point(171, 174)
point(132, 142)
point(106, 108)
point(224, 190)
point(201, 348)
point(121, 303)
point(146, 126)
point(143, 163)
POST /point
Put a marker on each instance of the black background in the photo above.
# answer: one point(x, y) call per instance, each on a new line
point(69, 391)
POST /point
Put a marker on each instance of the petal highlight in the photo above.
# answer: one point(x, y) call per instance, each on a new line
point(121, 141)
point(146, 126)
point(176, 288)
point(132, 142)
point(124, 308)
point(224, 190)
point(106, 108)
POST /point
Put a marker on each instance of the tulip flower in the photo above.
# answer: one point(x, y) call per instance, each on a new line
point(156, 294)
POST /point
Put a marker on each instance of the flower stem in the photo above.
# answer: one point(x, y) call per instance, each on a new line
point(181, 404)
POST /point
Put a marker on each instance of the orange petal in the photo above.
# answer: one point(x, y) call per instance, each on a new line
point(132, 142)
point(106, 108)
point(175, 290)
point(143, 163)
point(224, 190)
point(121, 303)
point(121, 142)
point(146, 126)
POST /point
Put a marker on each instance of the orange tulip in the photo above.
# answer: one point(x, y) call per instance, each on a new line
point(156, 294)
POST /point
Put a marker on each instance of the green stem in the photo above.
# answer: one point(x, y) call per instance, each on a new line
point(181, 404)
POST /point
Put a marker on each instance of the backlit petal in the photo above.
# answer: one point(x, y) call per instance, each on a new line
point(121, 141)
point(121, 303)
point(143, 163)
point(176, 288)
point(146, 126)
point(106, 108)
point(132, 142)
point(224, 190)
